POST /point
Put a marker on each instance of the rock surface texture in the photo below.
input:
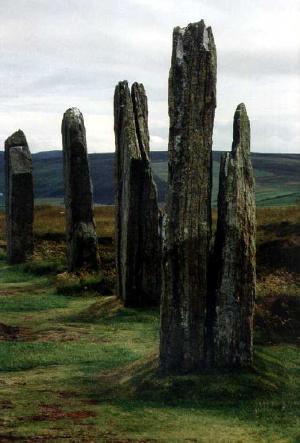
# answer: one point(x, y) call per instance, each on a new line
point(137, 215)
point(80, 225)
point(234, 255)
point(187, 225)
point(18, 198)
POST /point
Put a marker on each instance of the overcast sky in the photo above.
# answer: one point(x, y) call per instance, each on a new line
point(57, 54)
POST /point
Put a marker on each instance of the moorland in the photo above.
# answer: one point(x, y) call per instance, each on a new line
point(277, 177)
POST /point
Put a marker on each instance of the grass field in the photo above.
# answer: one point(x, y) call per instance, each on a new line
point(76, 366)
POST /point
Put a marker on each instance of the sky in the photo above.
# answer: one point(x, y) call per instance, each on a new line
point(58, 54)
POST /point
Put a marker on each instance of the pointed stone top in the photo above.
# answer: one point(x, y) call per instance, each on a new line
point(73, 114)
point(241, 130)
point(196, 25)
point(17, 153)
point(122, 93)
point(124, 121)
point(73, 124)
point(202, 34)
point(140, 109)
point(16, 139)
point(241, 107)
point(123, 85)
point(137, 87)
point(139, 98)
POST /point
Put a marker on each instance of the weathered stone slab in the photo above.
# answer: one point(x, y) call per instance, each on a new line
point(234, 255)
point(187, 226)
point(18, 198)
point(137, 237)
point(140, 110)
point(80, 225)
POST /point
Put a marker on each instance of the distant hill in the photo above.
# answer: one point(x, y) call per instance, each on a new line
point(277, 176)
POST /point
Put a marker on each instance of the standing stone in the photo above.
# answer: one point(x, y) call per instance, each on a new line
point(187, 226)
point(234, 264)
point(80, 225)
point(18, 198)
point(137, 214)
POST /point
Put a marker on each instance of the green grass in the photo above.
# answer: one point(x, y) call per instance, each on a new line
point(21, 356)
point(15, 276)
point(41, 300)
point(83, 368)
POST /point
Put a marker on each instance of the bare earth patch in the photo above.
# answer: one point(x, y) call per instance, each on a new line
point(54, 412)
point(12, 333)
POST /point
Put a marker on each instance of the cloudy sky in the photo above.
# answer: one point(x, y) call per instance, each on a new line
point(56, 54)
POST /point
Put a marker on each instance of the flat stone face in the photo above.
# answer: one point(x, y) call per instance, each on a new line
point(80, 225)
point(187, 226)
point(137, 238)
point(19, 200)
point(234, 255)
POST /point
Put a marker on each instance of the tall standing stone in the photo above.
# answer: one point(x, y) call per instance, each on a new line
point(187, 226)
point(18, 198)
point(80, 225)
point(137, 237)
point(234, 263)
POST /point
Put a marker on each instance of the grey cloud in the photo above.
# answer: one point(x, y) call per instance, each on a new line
point(257, 64)
point(266, 134)
point(56, 53)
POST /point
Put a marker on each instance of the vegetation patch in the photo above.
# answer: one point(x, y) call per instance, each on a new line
point(72, 284)
point(44, 267)
point(31, 302)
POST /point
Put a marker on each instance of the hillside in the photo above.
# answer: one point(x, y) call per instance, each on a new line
point(277, 176)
